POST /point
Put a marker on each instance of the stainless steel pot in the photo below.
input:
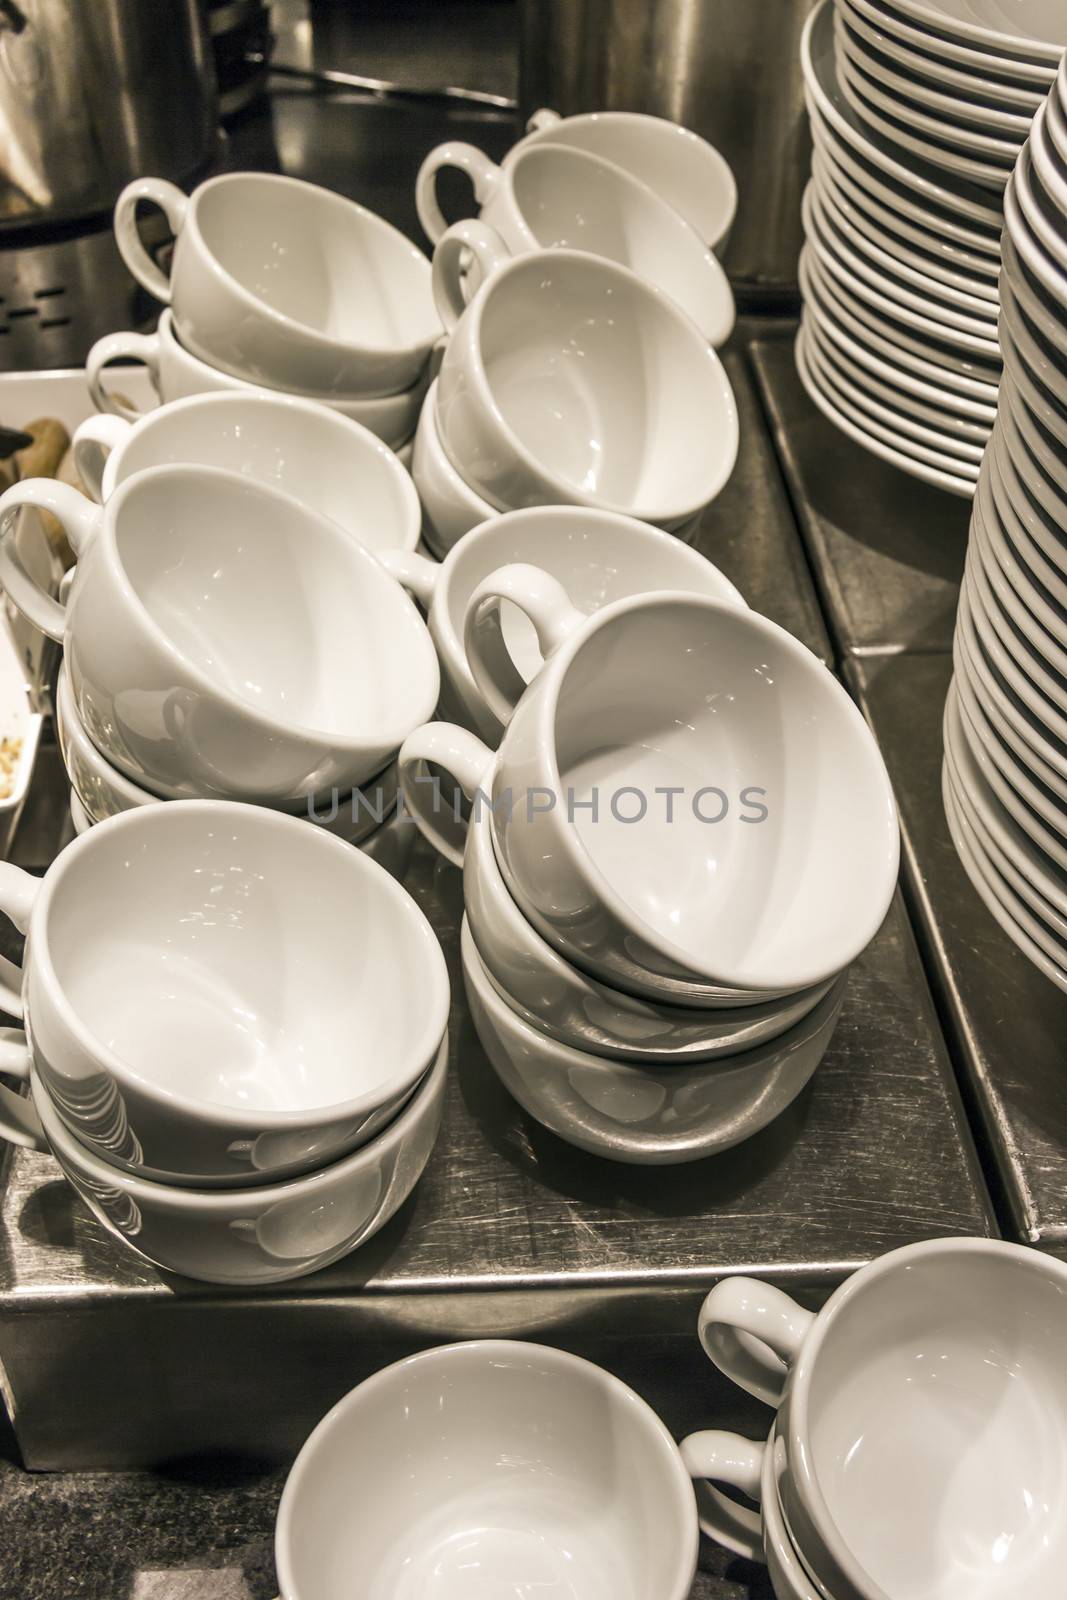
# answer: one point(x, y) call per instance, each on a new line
point(728, 69)
point(94, 93)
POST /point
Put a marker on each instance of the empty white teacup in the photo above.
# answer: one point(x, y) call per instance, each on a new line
point(267, 1233)
point(488, 1469)
point(675, 163)
point(175, 373)
point(568, 380)
point(218, 993)
point(598, 556)
point(450, 507)
point(921, 1438)
point(319, 457)
point(552, 197)
point(685, 798)
point(224, 639)
point(287, 283)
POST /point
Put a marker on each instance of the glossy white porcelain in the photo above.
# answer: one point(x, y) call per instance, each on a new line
point(450, 507)
point(287, 284)
point(223, 639)
point(931, 1386)
point(258, 1235)
point(936, 79)
point(1035, 29)
point(176, 374)
point(758, 877)
point(637, 1112)
point(104, 791)
point(553, 196)
point(674, 162)
point(218, 993)
point(322, 459)
point(488, 1469)
point(597, 555)
point(569, 380)
point(558, 998)
point(937, 45)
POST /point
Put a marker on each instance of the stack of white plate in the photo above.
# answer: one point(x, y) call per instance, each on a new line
point(1005, 769)
point(918, 108)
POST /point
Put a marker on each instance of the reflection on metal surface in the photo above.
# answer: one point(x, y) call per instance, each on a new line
point(331, 79)
point(730, 72)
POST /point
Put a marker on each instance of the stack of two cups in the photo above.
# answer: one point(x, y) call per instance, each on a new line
point(279, 286)
point(664, 879)
point(582, 312)
point(232, 634)
point(234, 1035)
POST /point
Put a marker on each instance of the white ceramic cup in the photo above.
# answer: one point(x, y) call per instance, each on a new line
point(220, 994)
point(598, 556)
point(675, 163)
point(176, 374)
point(225, 640)
point(558, 998)
point(568, 380)
point(105, 792)
point(931, 1387)
point(450, 507)
point(666, 802)
point(322, 459)
point(287, 284)
point(554, 197)
point(268, 1233)
point(637, 1112)
point(488, 1469)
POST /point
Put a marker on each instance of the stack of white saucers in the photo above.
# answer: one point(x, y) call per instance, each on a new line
point(1005, 769)
point(899, 272)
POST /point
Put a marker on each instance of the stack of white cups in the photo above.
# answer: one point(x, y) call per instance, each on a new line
point(591, 273)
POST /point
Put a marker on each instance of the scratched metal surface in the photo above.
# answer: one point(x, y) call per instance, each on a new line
point(1006, 1021)
point(887, 550)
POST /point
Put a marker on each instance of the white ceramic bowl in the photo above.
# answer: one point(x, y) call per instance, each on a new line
point(559, 999)
point(635, 1112)
point(256, 998)
point(321, 458)
point(268, 1233)
point(493, 1469)
point(287, 283)
point(175, 373)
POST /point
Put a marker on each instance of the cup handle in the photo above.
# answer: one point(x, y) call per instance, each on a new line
point(115, 347)
point(93, 442)
point(79, 518)
point(173, 203)
point(460, 754)
point(19, 1122)
point(542, 119)
point(713, 1457)
point(547, 604)
point(418, 574)
point(450, 258)
point(753, 1333)
point(467, 158)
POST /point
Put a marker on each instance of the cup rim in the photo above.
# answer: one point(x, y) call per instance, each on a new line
point(801, 1464)
point(434, 990)
point(569, 493)
point(360, 438)
point(151, 1193)
point(553, 676)
point(477, 1351)
point(280, 319)
point(429, 670)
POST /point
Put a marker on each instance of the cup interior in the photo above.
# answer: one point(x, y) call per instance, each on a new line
point(772, 862)
point(319, 260)
point(308, 451)
point(604, 384)
point(245, 960)
point(483, 1470)
point(273, 605)
point(939, 1395)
